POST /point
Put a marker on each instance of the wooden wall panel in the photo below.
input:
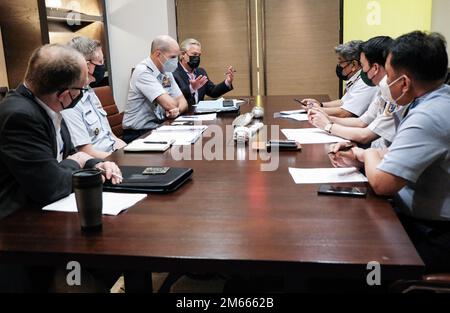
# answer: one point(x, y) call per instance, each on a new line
point(90, 7)
point(61, 33)
point(221, 27)
point(300, 40)
point(3, 73)
point(19, 20)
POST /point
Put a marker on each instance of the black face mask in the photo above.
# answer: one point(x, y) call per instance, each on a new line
point(194, 61)
point(366, 79)
point(99, 73)
point(74, 100)
point(340, 73)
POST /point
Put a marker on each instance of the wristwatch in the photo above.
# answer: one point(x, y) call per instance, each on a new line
point(328, 127)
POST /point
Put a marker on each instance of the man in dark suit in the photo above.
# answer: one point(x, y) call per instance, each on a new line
point(193, 80)
point(37, 159)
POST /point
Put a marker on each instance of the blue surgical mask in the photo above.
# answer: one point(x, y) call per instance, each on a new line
point(170, 65)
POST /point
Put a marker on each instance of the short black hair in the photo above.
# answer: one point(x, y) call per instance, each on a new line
point(421, 54)
point(376, 49)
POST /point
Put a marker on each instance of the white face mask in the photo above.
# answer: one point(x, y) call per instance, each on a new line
point(386, 91)
point(170, 65)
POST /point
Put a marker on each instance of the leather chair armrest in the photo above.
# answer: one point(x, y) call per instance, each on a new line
point(437, 278)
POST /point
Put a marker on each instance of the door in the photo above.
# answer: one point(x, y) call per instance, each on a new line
point(222, 29)
point(300, 39)
point(278, 47)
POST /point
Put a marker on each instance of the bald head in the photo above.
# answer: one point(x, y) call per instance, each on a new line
point(164, 44)
point(55, 68)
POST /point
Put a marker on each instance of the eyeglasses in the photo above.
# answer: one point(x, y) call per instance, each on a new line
point(90, 61)
point(82, 90)
point(348, 62)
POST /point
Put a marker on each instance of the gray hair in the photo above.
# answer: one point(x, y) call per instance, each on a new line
point(86, 46)
point(54, 68)
point(350, 50)
point(186, 44)
point(163, 43)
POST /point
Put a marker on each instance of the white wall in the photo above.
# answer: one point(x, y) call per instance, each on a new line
point(132, 25)
point(440, 21)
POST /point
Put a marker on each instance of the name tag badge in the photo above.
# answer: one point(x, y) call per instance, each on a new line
point(166, 82)
point(390, 109)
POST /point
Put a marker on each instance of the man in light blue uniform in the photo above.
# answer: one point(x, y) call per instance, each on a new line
point(87, 121)
point(154, 94)
point(416, 168)
point(358, 95)
point(377, 125)
point(423, 140)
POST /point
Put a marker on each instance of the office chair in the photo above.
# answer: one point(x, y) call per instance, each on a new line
point(115, 118)
point(3, 92)
point(435, 283)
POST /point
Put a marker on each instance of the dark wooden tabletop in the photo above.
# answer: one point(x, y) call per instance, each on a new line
point(231, 217)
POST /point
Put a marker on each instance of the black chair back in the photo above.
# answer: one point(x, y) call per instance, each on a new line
point(3, 92)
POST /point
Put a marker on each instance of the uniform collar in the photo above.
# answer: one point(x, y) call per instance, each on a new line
point(418, 101)
point(422, 99)
point(149, 63)
point(355, 77)
point(87, 95)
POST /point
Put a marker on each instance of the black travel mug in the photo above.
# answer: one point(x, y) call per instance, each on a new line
point(88, 187)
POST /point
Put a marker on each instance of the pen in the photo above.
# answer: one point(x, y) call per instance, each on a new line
point(156, 142)
point(344, 149)
point(182, 124)
point(115, 175)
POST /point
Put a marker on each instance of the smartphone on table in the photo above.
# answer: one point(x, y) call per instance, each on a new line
point(359, 192)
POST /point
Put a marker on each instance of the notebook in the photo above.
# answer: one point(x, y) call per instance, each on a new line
point(144, 145)
point(217, 106)
point(180, 135)
point(135, 182)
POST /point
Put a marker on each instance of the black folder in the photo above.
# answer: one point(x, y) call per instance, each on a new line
point(135, 182)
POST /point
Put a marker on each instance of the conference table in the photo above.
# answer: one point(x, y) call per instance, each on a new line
point(231, 217)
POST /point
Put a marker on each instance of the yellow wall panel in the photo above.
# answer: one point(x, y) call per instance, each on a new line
point(364, 19)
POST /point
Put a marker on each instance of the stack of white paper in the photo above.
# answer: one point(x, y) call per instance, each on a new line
point(217, 105)
point(113, 203)
point(169, 128)
point(293, 112)
point(179, 135)
point(310, 136)
point(327, 175)
point(301, 117)
point(199, 118)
